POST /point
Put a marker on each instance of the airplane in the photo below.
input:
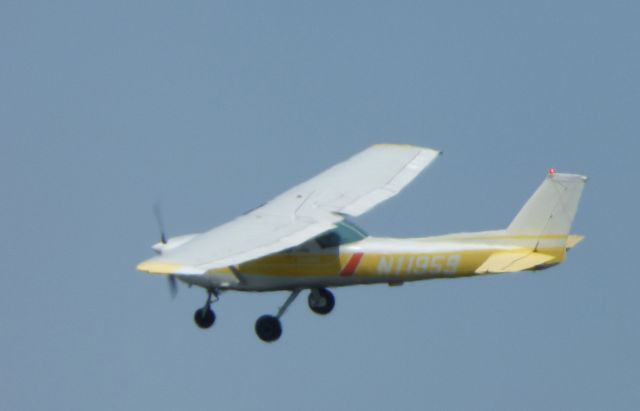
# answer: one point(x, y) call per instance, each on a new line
point(303, 240)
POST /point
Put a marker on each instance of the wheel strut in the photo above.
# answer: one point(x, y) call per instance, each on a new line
point(205, 317)
point(268, 327)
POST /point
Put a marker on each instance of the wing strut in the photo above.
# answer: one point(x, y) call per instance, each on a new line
point(238, 275)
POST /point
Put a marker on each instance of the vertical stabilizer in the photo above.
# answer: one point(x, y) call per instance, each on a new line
point(552, 208)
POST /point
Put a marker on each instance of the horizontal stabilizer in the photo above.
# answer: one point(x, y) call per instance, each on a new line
point(512, 261)
point(574, 240)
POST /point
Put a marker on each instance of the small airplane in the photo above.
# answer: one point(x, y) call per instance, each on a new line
point(302, 240)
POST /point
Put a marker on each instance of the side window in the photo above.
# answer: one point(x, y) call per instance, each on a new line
point(348, 234)
point(328, 240)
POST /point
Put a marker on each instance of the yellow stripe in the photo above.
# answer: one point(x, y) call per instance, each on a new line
point(515, 237)
point(329, 265)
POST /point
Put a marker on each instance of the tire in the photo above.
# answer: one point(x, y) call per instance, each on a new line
point(322, 301)
point(268, 328)
point(204, 317)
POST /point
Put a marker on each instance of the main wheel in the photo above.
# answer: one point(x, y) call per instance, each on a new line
point(268, 328)
point(321, 301)
point(204, 317)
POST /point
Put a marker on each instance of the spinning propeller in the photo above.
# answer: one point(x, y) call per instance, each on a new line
point(157, 211)
point(171, 278)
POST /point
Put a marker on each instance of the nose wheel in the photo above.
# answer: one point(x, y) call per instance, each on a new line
point(205, 317)
point(321, 301)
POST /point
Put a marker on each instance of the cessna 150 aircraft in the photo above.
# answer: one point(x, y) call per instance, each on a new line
point(301, 239)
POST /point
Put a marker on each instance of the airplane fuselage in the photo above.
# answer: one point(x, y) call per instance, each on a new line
point(381, 260)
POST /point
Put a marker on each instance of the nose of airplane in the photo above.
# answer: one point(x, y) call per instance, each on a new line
point(157, 247)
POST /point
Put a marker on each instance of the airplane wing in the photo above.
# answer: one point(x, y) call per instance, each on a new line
point(301, 213)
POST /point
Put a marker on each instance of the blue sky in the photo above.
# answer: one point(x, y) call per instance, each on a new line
point(215, 107)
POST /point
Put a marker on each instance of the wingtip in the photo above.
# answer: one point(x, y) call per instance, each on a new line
point(157, 267)
point(166, 268)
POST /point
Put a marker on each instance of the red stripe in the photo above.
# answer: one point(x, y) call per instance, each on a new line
point(351, 266)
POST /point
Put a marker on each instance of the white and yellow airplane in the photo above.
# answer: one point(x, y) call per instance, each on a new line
point(301, 239)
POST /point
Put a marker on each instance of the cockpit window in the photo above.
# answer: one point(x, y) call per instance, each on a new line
point(328, 240)
point(344, 233)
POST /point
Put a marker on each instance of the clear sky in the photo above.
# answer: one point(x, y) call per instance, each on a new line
point(216, 106)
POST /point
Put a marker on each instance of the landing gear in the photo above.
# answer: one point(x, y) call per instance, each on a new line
point(321, 301)
point(205, 317)
point(268, 327)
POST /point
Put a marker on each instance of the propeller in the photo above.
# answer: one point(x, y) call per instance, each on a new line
point(171, 278)
point(157, 211)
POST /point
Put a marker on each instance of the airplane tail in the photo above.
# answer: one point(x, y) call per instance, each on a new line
point(541, 228)
point(550, 210)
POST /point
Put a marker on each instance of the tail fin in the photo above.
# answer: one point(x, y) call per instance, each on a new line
point(552, 208)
